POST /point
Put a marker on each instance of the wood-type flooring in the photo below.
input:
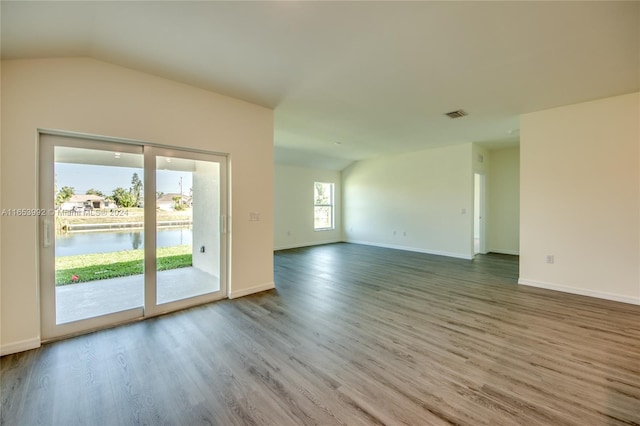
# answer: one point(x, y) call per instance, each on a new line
point(351, 335)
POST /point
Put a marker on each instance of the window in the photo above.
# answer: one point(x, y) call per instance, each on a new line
point(322, 206)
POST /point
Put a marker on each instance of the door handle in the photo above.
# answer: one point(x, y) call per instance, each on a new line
point(46, 233)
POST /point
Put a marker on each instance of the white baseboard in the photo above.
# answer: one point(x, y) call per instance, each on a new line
point(414, 249)
point(500, 251)
point(299, 245)
point(23, 345)
point(251, 290)
point(580, 291)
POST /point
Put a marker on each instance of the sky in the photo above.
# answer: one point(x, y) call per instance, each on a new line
point(82, 177)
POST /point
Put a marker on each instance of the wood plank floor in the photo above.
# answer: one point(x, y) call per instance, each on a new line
point(352, 335)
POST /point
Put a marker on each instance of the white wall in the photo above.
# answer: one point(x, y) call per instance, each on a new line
point(503, 222)
point(293, 206)
point(420, 201)
point(1, 218)
point(481, 161)
point(87, 96)
point(206, 214)
point(580, 198)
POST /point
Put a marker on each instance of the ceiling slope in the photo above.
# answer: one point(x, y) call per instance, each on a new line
point(355, 80)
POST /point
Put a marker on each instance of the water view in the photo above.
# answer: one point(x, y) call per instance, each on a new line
point(72, 244)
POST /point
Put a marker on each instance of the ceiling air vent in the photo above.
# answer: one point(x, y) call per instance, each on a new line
point(456, 114)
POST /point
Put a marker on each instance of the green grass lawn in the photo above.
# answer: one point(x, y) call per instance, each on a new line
point(100, 266)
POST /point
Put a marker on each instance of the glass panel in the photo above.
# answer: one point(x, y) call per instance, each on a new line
point(323, 193)
point(323, 202)
point(98, 239)
point(322, 218)
point(188, 221)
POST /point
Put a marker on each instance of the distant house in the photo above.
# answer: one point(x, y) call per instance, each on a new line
point(87, 202)
point(167, 202)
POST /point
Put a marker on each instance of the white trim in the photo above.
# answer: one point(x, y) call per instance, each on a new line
point(71, 136)
point(251, 290)
point(414, 249)
point(500, 251)
point(581, 292)
point(22, 345)
point(299, 245)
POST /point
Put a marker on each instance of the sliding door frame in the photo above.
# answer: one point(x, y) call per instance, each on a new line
point(47, 141)
point(151, 307)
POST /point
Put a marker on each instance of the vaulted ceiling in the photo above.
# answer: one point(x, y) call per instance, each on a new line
point(355, 80)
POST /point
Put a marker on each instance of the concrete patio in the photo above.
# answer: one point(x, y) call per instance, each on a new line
point(85, 300)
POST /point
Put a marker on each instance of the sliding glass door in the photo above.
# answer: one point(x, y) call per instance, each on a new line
point(187, 217)
point(131, 231)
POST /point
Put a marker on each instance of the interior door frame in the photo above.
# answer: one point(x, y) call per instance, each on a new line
point(47, 141)
point(481, 195)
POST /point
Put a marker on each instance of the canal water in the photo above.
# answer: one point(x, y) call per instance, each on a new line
point(74, 243)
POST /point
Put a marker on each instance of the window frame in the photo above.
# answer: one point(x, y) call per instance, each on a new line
point(331, 206)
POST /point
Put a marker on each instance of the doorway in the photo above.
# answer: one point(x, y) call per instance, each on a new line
point(479, 212)
point(134, 231)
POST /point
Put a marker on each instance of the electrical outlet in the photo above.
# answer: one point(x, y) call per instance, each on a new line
point(551, 258)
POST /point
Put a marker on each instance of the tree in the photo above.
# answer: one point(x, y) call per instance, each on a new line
point(177, 202)
point(92, 191)
point(64, 195)
point(123, 198)
point(321, 196)
point(136, 188)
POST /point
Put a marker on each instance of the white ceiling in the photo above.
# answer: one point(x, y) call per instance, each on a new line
point(375, 77)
